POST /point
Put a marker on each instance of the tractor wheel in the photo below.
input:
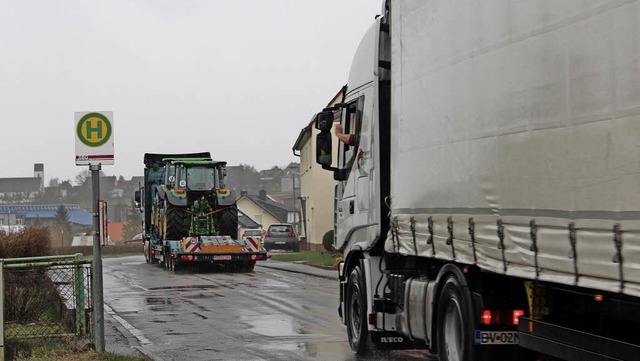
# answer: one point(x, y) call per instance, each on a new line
point(177, 222)
point(228, 222)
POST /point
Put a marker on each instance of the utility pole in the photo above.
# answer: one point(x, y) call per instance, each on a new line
point(98, 299)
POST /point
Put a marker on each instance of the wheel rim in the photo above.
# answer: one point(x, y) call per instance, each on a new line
point(356, 320)
point(452, 325)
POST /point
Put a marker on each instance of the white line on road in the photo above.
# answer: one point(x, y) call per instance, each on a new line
point(134, 331)
point(144, 342)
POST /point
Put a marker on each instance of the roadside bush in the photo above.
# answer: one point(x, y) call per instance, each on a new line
point(33, 305)
point(29, 242)
point(327, 241)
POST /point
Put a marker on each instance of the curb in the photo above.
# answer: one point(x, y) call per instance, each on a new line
point(317, 271)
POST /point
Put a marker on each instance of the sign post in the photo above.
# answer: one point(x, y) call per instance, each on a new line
point(94, 147)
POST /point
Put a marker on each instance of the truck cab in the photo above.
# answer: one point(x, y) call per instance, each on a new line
point(364, 112)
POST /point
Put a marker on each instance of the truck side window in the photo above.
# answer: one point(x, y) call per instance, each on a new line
point(352, 120)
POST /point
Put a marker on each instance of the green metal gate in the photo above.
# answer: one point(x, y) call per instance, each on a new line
point(46, 299)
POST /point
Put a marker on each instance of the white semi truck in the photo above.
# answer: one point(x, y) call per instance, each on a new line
point(489, 207)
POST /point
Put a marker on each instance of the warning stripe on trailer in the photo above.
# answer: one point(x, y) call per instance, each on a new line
point(252, 245)
point(190, 244)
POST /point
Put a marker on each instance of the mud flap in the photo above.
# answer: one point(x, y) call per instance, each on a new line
point(390, 340)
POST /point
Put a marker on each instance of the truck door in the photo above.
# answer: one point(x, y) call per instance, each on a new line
point(352, 176)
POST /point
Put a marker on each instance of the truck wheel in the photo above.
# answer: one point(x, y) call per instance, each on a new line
point(228, 222)
point(177, 222)
point(356, 312)
point(147, 252)
point(152, 260)
point(455, 323)
point(248, 266)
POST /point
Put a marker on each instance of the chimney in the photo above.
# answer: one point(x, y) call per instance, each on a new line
point(263, 195)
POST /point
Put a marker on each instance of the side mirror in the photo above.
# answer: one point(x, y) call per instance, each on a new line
point(136, 198)
point(324, 121)
point(323, 149)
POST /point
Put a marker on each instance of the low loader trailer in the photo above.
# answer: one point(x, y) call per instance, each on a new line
point(190, 217)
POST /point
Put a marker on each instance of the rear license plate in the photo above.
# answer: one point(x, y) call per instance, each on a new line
point(280, 242)
point(496, 338)
point(222, 257)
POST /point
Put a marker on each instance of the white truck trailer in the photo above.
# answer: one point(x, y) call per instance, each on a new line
point(490, 203)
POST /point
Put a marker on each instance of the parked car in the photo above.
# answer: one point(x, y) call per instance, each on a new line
point(282, 236)
point(256, 235)
point(252, 233)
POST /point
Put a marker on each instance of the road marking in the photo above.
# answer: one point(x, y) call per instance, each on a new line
point(134, 331)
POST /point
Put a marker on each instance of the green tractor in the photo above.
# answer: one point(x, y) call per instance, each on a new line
point(184, 195)
point(192, 200)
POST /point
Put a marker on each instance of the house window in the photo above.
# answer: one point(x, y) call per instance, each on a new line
point(19, 220)
point(1, 222)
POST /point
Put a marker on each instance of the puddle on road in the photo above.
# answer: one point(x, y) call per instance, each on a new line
point(160, 303)
point(337, 350)
point(270, 325)
point(153, 301)
point(192, 287)
point(201, 296)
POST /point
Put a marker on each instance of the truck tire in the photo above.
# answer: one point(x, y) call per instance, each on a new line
point(455, 323)
point(150, 255)
point(248, 266)
point(356, 312)
point(228, 222)
point(172, 264)
point(177, 222)
point(147, 251)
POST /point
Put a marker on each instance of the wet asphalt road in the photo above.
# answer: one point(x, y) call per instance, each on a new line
point(268, 314)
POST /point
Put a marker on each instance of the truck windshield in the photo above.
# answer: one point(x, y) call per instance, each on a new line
point(200, 179)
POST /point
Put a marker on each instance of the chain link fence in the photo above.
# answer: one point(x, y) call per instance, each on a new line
point(46, 300)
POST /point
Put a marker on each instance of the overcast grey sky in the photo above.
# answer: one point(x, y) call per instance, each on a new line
point(238, 78)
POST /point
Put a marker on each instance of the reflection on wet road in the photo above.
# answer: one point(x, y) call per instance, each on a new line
point(263, 315)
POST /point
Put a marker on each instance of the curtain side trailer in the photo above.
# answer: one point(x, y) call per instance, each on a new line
point(489, 203)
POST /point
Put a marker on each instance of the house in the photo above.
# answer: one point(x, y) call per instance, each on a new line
point(317, 184)
point(31, 214)
point(22, 189)
point(115, 231)
point(14, 217)
point(245, 222)
point(265, 211)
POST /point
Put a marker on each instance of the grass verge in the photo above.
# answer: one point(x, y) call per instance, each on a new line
point(320, 259)
point(61, 349)
point(66, 355)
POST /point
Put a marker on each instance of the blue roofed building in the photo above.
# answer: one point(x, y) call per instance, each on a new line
point(34, 214)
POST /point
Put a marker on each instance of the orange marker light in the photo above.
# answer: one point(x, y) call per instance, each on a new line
point(516, 316)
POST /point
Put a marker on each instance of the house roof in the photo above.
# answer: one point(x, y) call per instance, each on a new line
point(246, 221)
point(116, 231)
point(76, 214)
point(277, 210)
point(16, 185)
